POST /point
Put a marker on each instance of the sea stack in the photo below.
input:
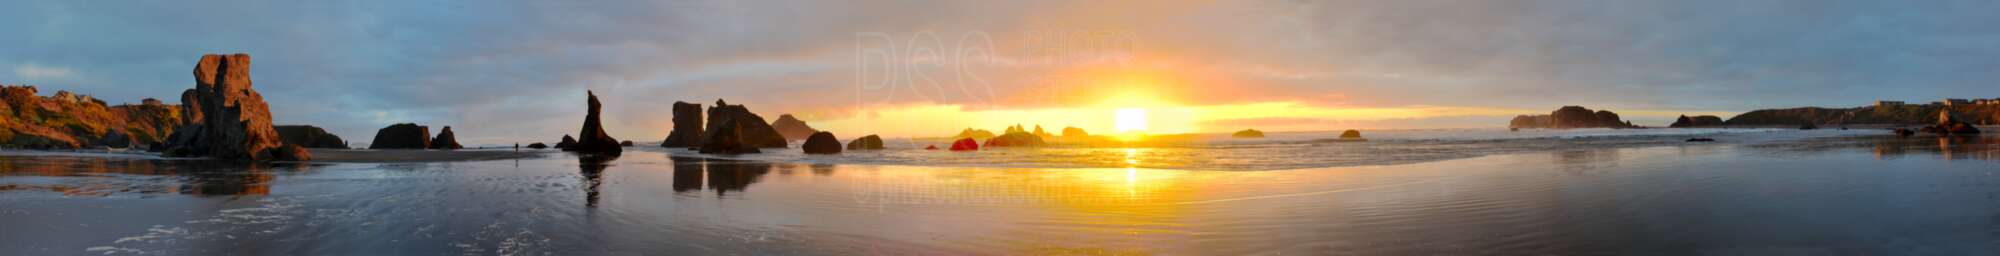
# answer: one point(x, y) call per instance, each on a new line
point(445, 140)
point(687, 126)
point(402, 136)
point(592, 138)
point(870, 142)
point(755, 131)
point(1248, 133)
point(222, 117)
point(791, 128)
point(727, 139)
point(309, 136)
point(566, 142)
point(820, 143)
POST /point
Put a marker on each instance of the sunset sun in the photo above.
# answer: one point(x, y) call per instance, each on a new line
point(1131, 120)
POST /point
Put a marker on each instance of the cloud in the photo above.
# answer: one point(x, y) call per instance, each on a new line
point(37, 72)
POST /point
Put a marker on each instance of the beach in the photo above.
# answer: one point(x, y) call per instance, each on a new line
point(1859, 194)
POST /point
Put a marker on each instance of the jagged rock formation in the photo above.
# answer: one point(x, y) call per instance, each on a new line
point(687, 126)
point(1046, 136)
point(1696, 121)
point(1016, 136)
point(402, 136)
point(566, 142)
point(70, 121)
point(791, 128)
point(727, 138)
point(445, 140)
point(820, 143)
point(592, 138)
point(309, 137)
point(870, 142)
point(1571, 117)
point(755, 131)
point(1247, 133)
point(222, 117)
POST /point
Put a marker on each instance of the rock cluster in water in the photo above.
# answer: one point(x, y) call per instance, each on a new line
point(222, 117)
point(1571, 117)
point(752, 130)
point(592, 138)
point(1016, 136)
point(1949, 124)
point(727, 138)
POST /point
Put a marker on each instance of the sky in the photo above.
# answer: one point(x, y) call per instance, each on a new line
point(502, 72)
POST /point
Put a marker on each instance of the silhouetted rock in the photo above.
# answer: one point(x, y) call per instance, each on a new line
point(1016, 139)
point(964, 144)
point(1949, 124)
point(566, 142)
point(592, 138)
point(1074, 133)
point(538, 145)
point(727, 138)
point(1700, 140)
point(755, 131)
point(821, 143)
point(931, 147)
point(870, 142)
point(1570, 117)
point(402, 136)
point(976, 134)
point(625, 143)
point(222, 116)
point(791, 128)
point(445, 140)
point(1046, 136)
point(687, 126)
point(1248, 133)
point(1808, 127)
point(1696, 121)
point(1350, 134)
point(309, 137)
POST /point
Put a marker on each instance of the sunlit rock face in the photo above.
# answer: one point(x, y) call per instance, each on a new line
point(592, 138)
point(69, 121)
point(222, 117)
point(687, 126)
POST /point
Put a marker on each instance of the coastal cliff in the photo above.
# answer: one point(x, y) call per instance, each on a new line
point(1571, 117)
point(69, 121)
point(1890, 114)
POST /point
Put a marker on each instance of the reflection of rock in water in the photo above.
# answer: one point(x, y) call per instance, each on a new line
point(1580, 161)
point(726, 175)
point(687, 174)
point(187, 177)
point(592, 166)
point(822, 169)
point(1945, 147)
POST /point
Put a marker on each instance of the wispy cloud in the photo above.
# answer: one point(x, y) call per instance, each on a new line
point(38, 72)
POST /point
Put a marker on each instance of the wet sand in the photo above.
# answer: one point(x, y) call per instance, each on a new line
point(410, 155)
point(1840, 196)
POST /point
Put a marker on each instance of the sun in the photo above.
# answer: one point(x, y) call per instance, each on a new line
point(1131, 120)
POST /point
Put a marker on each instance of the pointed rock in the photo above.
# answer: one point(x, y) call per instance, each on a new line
point(223, 117)
point(446, 140)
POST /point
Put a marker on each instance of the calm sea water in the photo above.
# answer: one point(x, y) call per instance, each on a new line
point(1767, 193)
